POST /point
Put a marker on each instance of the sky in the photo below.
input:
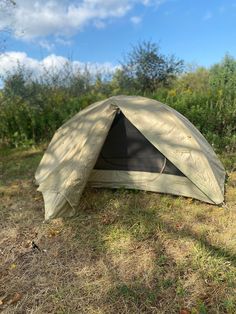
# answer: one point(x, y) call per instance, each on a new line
point(101, 32)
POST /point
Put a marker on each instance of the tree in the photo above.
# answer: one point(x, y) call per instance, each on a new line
point(15, 84)
point(194, 81)
point(223, 77)
point(145, 68)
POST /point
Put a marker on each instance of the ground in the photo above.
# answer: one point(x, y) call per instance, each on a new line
point(125, 252)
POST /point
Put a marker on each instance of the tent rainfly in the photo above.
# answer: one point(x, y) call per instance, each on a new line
point(130, 142)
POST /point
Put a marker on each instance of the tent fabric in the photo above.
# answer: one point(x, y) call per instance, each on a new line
point(155, 182)
point(68, 163)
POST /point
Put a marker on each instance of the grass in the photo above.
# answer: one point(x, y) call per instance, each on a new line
point(125, 252)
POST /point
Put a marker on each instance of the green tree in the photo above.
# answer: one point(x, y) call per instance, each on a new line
point(223, 77)
point(145, 68)
point(196, 81)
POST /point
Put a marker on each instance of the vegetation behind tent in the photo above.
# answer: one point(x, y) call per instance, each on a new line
point(33, 106)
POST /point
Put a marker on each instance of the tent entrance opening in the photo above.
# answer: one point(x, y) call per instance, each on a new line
point(126, 149)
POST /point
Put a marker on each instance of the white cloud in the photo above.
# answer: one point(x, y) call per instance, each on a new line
point(11, 60)
point(63, 42)
point(146, 2)
point(99, 24)
point(156, 3)
point(39, 18)
point(136, 20)
point(46, 44)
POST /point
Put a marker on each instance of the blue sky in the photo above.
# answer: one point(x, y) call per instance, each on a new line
point(102, 31)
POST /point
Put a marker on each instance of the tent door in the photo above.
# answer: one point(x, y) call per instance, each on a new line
point(126, 149)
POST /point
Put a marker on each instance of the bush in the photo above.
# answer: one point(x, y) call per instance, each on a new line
point(31, 108)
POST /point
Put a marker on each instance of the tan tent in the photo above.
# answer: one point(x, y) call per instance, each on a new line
point(129, 142)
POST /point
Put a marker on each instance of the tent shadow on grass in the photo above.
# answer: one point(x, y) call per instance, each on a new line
point(146, 228)
point(168, 226)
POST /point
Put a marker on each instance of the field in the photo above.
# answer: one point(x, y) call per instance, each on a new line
point(125, 252)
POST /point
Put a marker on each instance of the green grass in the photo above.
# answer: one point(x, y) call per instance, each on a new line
point(125, 252)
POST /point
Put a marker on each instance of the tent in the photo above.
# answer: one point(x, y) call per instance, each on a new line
point(129, 142)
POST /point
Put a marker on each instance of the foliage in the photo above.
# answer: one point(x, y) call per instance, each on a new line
point(33, 107)
point(145, 68)
point(208, 99)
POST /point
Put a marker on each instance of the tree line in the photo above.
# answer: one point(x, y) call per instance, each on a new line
point(33, 106)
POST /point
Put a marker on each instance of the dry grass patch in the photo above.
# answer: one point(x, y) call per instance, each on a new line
point(125, 252)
